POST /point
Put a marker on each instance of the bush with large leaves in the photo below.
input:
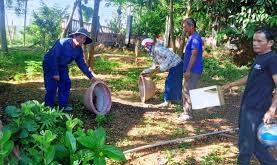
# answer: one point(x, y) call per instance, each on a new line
point(44, 135)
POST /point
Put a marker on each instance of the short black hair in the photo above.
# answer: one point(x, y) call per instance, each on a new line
point(270, 32)
point(190, 21)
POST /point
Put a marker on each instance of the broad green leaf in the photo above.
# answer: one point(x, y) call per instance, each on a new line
point(76, 162)
point(50, 153)
point(12, 111)
point(7, 148)
point(35, 155)
point(86, 155)
point(38, 138)
point(100, 135)
point(70, 124)
point(5, 136)
point(99, 160)
point(49, 136)
point(55, 163)
point(61, 151)
point(33, 152)
point(23, 133)
point(12, 127)
point(80, 132)
point(30, 125)
point(26, 107)
point(71, 141)
point(113, 152)
point(87, 141)
point(25, 159)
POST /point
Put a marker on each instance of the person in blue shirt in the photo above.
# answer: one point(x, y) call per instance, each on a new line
point(193, 65)
point(55, 67)
point(258, 103)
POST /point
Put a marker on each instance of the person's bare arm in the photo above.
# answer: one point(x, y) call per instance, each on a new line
point(270, 114)
point(239, 82)
point(150, 69)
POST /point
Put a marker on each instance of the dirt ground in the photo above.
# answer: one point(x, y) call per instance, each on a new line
point(132, 125)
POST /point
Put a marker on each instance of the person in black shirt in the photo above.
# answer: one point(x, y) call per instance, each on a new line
point(258, 102)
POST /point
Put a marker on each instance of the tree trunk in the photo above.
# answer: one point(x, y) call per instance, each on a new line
point(183, 36)
point(214, 31)
point(93, 33)
point(70, 19)
point(188, 14)
point(171, 29)
point(81, 22)
point(25, 16)
point(4, 45)
point(166, 41)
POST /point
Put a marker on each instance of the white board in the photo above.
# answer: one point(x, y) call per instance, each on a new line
point(206, 97)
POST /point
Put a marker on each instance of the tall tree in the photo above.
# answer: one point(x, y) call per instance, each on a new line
point(94, 27)
point(70, 19)
point(21, 9)
point(45, 28)
point(81, 22)
point(171, 26)
point(25, 17)
point(4, 45)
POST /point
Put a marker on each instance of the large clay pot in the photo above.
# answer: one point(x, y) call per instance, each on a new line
point(97, 98)
point(147, 88)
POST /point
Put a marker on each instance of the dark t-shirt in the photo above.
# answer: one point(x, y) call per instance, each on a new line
point(260, 85)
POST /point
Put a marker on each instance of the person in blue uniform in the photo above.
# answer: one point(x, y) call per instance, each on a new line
point(258, 103)
point(55, 67)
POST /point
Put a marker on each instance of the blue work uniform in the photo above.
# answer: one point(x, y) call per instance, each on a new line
point(56, 62)
point(257, 99)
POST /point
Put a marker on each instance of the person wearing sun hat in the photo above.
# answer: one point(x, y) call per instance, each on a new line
point(55, 67)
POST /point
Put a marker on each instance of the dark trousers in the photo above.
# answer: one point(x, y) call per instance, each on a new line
point(249, 121)
point(52, 86)
point(173, 83)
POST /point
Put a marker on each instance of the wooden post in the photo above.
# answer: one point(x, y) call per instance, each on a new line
point(93, 33)
point(128, 29)
point(70, 19)
point(3, 38)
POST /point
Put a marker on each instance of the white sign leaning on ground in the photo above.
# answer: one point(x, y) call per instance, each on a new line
point(206, 97)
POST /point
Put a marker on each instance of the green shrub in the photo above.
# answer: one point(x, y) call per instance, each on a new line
point(48, 136)
point(223, 71)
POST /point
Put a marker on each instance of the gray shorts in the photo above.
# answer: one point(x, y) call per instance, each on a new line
point(192, 82)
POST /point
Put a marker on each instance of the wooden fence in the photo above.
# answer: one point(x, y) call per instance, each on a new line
point(105, 35)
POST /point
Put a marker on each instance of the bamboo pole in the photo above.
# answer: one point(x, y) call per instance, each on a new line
point(177, 140)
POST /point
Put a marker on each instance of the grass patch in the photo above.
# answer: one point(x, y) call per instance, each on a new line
point(103, 65)
point(127, 82)
point(219, 72)
point(21, 64)
point(179, 132)
point(212, 158)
